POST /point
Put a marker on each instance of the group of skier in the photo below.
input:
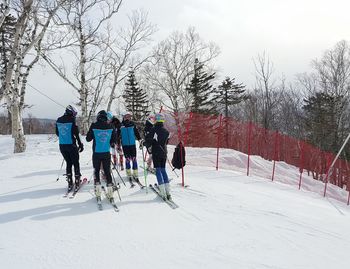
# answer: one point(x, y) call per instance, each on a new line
point(111, 137)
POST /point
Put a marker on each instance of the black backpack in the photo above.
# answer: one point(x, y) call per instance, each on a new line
point(179, 161)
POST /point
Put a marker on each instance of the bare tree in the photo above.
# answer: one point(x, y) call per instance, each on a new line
point(265, 89)
point(123, 48)
point(4, 10)
point(173, 65)
point(33, 18)
point(81, 34)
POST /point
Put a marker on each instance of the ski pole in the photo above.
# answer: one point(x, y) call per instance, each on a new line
point(116, 184)
point(175, 172)
point(172, 168)
point(144, 170)
point(119, 176)
point(59, 173)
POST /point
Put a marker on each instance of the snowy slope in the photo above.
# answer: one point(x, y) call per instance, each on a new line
point(225, 219)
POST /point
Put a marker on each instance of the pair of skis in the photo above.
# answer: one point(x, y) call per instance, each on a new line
point(110, 200)
point(74, 191)
point(169, 202)
point(137, 180)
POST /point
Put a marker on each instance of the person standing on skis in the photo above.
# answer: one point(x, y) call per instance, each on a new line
point(127, 136)
point(158, 138)
point(117, 149)
point(104, 137)
point(148, 127)
point(68, 135)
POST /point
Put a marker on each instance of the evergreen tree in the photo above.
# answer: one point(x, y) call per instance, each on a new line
point(229, 93)
point(321, 113)
point(135, 99)
point(201, 90)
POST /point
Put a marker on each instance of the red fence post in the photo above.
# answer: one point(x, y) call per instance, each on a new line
point(249, 145)
point(301, 168)
point(274, 156)
point(218, 143)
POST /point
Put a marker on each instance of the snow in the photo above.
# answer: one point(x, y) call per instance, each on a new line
point(225, 220)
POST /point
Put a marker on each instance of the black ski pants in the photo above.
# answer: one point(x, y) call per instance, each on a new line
point(103, 159)
point(71, 156)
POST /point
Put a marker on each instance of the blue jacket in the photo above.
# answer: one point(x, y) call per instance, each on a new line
point(128, 133)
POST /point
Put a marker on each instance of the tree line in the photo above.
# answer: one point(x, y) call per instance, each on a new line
point(112, 65)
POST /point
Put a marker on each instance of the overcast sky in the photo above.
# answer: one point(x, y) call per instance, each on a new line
point(291, 32)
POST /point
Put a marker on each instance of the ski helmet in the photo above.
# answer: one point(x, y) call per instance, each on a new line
point(102, 115)
point(109, 115)
point(159, 117)
point(71, 110)
point(127, 115)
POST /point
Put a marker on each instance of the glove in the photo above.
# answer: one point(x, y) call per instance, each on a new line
point(81, 147)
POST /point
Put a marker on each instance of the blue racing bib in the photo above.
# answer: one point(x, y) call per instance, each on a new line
point(102, 140)
point(65, 133)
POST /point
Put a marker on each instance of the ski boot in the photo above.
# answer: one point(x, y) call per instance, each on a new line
point(77, 183)
point(136, 176)
point(129, 175)
point(70, 182)
point(98, 190)
point(109, 193)
point(167, 191)
point(162, 191)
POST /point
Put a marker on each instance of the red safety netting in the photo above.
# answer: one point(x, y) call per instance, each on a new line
point(216, 131)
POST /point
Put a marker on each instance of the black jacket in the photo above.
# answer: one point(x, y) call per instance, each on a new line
point(158, 137)
point(146, 131)
point(74, 130)
point(100, 126)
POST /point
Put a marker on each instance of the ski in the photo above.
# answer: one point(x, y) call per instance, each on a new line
point(84, 181)
point(169, 200)
point(139, 183)
point(110, 200)
point(170, 203)
point(68, 192)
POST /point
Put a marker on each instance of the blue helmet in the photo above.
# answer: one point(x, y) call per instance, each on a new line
point(159, 117)
point(109, 115)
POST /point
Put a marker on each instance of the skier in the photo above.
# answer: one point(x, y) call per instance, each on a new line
point(158, 138)
point(104, 137)
point(116, 124)
point(148, 127)
point(127, 136)
point(68, 134)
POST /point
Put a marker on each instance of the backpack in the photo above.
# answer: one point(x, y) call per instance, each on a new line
point(179, 161)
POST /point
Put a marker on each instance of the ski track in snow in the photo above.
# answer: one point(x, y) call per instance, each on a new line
point(224, 220)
